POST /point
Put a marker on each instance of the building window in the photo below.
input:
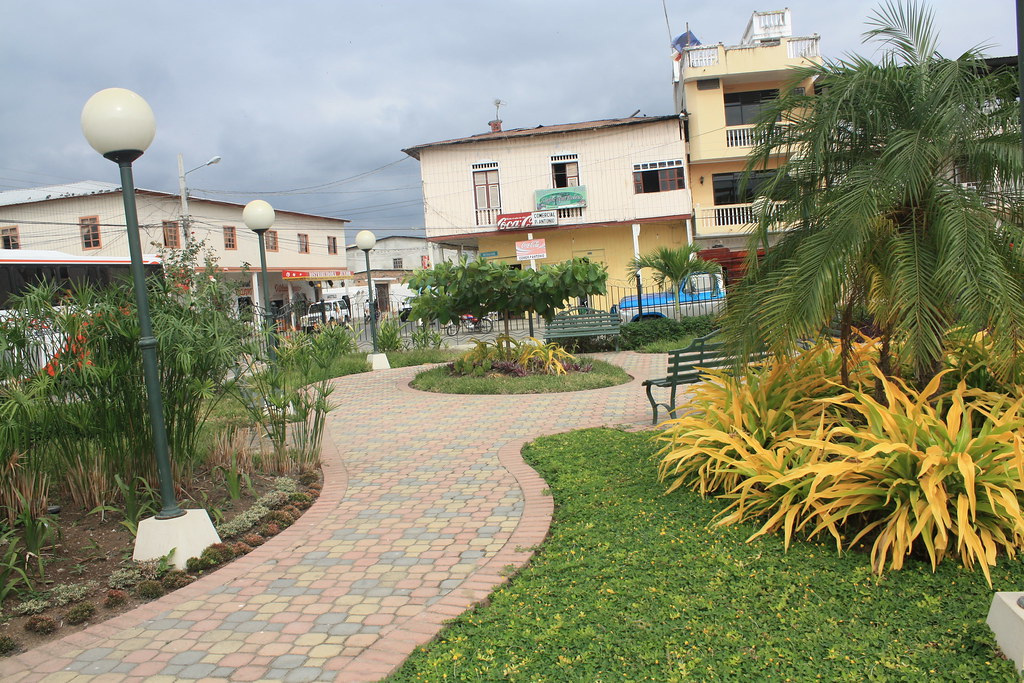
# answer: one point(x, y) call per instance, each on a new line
point(332, 245)
point(270, 240)
point(172, 236)
point(565, 171)
point(303, 243)
point(658, 176)
point(485, 186)
point(230, 238)
point(396, 263)
point(729, 187)
point(744, 108)
point(10, 237)
point(90, 227)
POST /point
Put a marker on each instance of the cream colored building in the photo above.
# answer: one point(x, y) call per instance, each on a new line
point(720, 89)
point(582, 188)
point(304, 251)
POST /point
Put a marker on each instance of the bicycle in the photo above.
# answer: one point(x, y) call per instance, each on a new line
point(471, 323)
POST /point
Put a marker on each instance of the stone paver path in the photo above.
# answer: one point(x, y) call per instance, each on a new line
point(426, 502)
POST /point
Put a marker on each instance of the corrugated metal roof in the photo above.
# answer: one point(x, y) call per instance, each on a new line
point(541, 130)
point(41, 194)
point(93, 187)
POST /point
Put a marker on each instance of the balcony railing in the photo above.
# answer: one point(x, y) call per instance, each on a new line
point(701, 56)
point(734, 214)
point(487, 216)
point(576, 212)
point(739, 136)
point(802, 47)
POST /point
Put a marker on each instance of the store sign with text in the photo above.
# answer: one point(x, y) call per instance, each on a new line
point(315, 274)
point(531, 250)
point(527, 219)
point(560, 198)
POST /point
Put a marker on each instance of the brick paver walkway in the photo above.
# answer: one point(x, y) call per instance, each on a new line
point(426, 501)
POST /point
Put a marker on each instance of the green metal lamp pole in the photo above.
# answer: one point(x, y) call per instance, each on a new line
point(259, 216)
point(365, 241)
point(120, 125)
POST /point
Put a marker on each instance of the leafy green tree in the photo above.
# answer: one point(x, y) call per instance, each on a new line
point(673, 267)
point(450, 290)
point(900, 195)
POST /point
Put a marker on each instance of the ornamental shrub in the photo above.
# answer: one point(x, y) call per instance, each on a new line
point(41, 624)
point(80, 613)
point(149, 589)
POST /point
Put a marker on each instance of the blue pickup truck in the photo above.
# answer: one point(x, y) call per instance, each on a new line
point(701, 294)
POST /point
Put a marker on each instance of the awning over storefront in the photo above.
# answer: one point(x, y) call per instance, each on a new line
point(313, 275)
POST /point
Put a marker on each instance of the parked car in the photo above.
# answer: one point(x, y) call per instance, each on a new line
point(319, 313)
point(701, 294)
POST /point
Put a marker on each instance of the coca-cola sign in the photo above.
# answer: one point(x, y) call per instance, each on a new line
point(507, 221)
point(514, 220)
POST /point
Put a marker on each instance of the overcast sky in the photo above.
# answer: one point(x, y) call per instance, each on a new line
point(310, 103)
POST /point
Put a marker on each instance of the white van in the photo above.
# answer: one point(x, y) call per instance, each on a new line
point(331, 312)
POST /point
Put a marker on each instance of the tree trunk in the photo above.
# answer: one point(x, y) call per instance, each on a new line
point(885, 365)
point(846, 343)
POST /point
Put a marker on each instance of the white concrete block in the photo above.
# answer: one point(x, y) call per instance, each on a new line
point(1006, 619)
point(379, 361)
point(188, 535)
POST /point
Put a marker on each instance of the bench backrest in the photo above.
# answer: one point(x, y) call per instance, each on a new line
point(584, 318)
point(703, 353)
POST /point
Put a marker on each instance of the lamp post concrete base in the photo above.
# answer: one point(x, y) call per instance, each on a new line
point(379, 361)
point(1006, 619)
point(188, 535)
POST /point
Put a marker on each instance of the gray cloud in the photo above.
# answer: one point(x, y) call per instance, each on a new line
point(302, 93)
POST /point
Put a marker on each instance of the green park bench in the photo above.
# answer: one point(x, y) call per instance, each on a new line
point(685, 366)
point(583, 322)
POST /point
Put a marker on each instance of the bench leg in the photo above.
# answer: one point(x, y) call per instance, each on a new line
point(653, 403)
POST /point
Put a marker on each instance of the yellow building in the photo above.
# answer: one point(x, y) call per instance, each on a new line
point(721, 90)
point(582, 188)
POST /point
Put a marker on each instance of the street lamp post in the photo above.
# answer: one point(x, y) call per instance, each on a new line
point(258, 216)
point(365, 241)
point(120, 125)
point(184, 193)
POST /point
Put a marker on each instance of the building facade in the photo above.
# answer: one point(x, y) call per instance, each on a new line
point(721, 91)
point(584, 189)
point(303, 251)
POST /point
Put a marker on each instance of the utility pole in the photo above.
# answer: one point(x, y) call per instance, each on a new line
point(183, 191)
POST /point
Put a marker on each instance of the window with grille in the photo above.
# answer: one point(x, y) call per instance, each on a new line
point(270, 240)
point(332, 245)
point(730, 189)
point(658, 176)
point(486, 190)
point(230, 237)
point(10, 237)
point(565, 171)
point(396, 263)
point(90, 228)
point(172, 235)
point(303, 243)
point(744, 108)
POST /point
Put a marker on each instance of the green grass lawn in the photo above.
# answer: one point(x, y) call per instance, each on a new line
point(602, 375)
point(666, 345)
point(633, 585)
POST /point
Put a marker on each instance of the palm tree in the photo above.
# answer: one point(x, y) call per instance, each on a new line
point(874, 211)
point(673, 267)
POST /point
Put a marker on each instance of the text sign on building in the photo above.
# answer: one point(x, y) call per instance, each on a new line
point(531, 250)
point(315, 274)
point(545, 218)
point(507, 221)
point(560, 198)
